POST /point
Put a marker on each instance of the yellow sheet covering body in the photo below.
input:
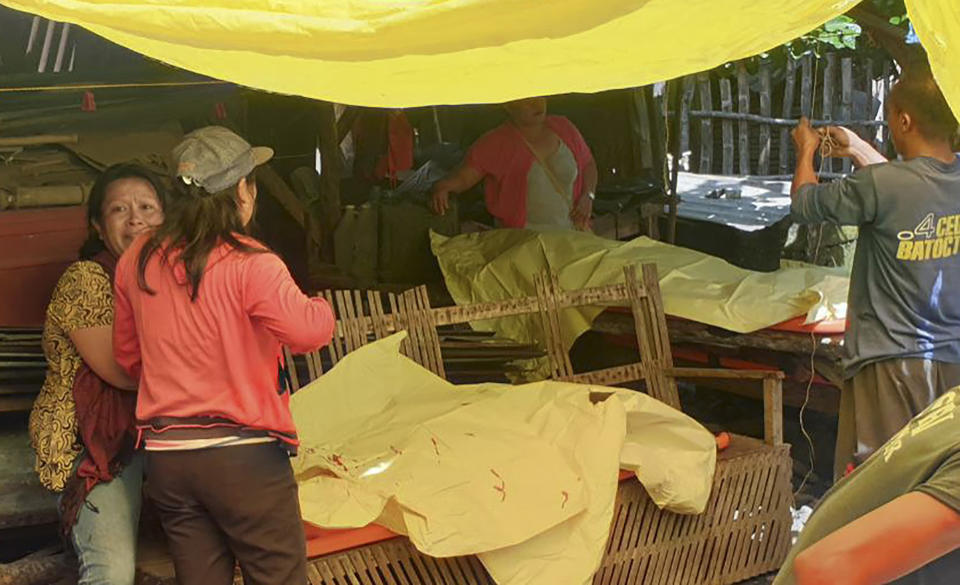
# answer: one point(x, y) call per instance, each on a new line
point(523, 476)
point(501, 264)
point(401, 53)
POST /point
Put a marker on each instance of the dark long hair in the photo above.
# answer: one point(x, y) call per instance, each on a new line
point(98, 194)
point(195, 223)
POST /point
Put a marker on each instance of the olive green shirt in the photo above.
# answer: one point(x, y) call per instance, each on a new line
point(923, 457)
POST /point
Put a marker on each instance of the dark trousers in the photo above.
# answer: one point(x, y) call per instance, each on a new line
point(228, 504)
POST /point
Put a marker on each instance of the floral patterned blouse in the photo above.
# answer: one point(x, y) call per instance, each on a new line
point(82, 299)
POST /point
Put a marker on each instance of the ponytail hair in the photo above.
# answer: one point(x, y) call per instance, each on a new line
point(196, 222)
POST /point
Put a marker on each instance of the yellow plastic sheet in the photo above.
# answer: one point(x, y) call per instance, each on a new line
point(402, 53)
point(419, 52)
point(523, 476)
point(501, 264)
point(937, 23)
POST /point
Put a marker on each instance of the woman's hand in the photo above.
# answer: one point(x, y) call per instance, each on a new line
point(581, 213)
point(441, 198)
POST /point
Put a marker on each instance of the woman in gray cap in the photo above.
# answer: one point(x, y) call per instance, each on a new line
point(202, 311)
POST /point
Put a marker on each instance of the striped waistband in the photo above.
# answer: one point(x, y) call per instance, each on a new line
point(191, 428)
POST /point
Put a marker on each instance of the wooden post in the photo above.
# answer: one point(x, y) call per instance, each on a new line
point(688, 89)
point(726, 103)
point(679, 92)
point(874, 134)
point(886, 147)
point(772, 411)
point(806, 86)
point(329, 176)
point(658, 129)
point(763, 162)
point(846, 98)
point(829, 85)
point(646, 135)
point(743, 94)
point(788, 87)
point(706, 125)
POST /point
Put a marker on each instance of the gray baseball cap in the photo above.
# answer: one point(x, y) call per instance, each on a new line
point(215, 158)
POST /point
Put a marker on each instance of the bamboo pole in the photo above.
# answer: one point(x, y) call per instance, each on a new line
point(706, 125)
point(743, 105)
point(778, 121)
point(788, 89)
point(39, 139)
point(763, 161)
point(726, 102)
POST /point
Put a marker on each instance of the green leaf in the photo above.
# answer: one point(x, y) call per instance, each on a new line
point(850, 42)
point(895, 20)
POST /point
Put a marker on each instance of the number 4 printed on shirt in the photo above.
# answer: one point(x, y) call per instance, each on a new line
point(926, 227)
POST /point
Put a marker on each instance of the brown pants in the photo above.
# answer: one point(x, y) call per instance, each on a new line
point(228, 504)
point(881, 399)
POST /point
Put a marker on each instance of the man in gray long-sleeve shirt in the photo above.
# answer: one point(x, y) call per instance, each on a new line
point(902, 346)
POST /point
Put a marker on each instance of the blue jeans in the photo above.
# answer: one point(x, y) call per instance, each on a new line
point(105, 534)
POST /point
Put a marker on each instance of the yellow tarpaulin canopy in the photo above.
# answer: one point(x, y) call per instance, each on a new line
point(405, 53)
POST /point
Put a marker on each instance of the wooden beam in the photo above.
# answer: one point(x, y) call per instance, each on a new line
point(763, 161)
point(747, 117)
point(726, 103)
point(345, 122)
point(330, 173)
point(787, 112)
point(706, 126)
point(772, 411)
point(743, 106)
point(40, 139)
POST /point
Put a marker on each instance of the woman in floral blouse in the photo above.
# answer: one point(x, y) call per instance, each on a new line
point(83, 415)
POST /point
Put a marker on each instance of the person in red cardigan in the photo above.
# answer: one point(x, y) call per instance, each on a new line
point(537, 170)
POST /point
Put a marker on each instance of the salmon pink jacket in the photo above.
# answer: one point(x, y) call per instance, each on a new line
point(218, 359)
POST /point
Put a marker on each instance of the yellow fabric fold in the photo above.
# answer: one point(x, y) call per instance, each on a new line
point(501, 264)
point(937, 24)
point(402, 53)
point(523, 476)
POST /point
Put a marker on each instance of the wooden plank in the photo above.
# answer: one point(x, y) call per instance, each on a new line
point(846, 98)
point(718, 374)
point(38, 140)
point(790, 82)
point(829, 87)
point(743, 103)
point(774, 121)
point(886, 148)
point(639, 103)
point(772, 411)
point(763, 161)
point(706, 125)
point(726, 103)
point(869, 71)
point(806, 86)
point(329, 176)
point(689, 86)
